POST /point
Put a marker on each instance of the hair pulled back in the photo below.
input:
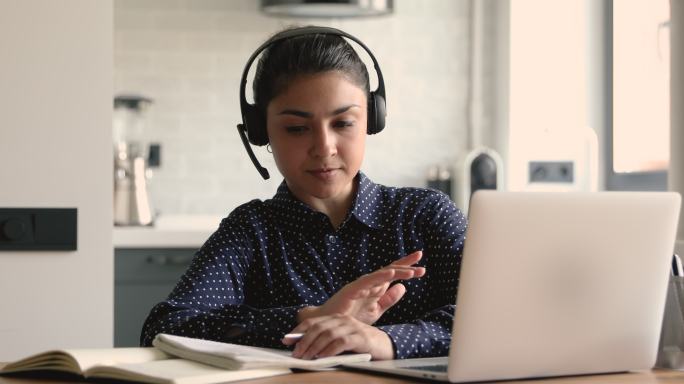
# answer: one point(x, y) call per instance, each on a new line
point(283, 61)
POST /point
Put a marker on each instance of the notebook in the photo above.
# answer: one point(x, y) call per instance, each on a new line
point(556, 284)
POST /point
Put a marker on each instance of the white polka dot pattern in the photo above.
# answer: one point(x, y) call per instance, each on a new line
point(270, 258)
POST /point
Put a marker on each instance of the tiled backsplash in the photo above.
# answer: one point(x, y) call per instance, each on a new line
point(189, 55)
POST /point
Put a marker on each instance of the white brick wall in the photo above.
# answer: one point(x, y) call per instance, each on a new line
point(188, 56)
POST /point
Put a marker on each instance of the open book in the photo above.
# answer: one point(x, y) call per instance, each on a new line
point(146, 365)
point(234, 356)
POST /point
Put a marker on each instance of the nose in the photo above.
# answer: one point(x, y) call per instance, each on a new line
point(323, 142)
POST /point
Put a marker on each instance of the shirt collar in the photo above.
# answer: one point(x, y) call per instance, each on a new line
point(367, 202)
point(292, 213)
point(297, 216)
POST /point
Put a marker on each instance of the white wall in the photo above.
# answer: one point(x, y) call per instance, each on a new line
point(189, 55)
point(548, 93)
point(55, 151)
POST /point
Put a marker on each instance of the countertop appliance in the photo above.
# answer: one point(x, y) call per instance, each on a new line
point(480, 168)
point(131, 200)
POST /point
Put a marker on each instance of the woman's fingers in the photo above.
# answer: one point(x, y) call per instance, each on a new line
point(387, 275)
point(378, 277)
point(403, 273)
point(401, 269)
point(362, 286)
point(306, 324)
point(291, 338)
point(331, 336)
point(374, 284)
point(367, 298)
point(317, 334)
point(302, 328)
point(409, 259)
point(391, 297)
point(341, 344)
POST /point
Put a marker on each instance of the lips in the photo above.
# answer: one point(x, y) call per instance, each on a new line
point(324, 173)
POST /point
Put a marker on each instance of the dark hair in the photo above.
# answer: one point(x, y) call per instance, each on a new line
point(280, 63)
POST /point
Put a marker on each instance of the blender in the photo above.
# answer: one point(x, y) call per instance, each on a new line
point(131, 200)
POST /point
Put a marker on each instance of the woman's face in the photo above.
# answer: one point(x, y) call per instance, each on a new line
point(317, 131)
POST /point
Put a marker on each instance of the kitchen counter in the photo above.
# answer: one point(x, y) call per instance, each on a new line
point(171, 231)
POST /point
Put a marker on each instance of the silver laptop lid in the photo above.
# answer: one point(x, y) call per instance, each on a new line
point(562, 283)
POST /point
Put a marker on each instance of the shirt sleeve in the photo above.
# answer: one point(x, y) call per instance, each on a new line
point(442, 228)
point(209, 300)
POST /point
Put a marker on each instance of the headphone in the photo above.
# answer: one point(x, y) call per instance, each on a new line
point(253, 127)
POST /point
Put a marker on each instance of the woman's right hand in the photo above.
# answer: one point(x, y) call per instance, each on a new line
point(369, 296)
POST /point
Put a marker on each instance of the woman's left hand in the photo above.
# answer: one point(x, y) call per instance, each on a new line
point(331, 335)
point(369, 296)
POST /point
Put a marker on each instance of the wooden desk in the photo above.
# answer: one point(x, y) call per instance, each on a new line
point(655, 376)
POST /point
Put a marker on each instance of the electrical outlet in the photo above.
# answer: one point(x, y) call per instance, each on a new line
point(551, 172)
point(38, 229)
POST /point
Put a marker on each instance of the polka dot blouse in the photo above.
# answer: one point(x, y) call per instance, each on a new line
point(268, 259)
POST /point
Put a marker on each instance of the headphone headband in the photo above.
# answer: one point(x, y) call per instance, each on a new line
point(313, 30)
point(253, 129)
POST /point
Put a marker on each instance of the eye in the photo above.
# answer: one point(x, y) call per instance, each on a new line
point(295, 129)
point(343, 123)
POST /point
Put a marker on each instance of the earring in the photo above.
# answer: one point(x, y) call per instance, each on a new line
point(268, 148)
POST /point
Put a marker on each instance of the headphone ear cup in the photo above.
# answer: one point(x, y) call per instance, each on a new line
point(376, 114)
point(370, 124)
point(256, 126)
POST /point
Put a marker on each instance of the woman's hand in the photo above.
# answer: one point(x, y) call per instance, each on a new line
point(369, 296)
point(331, 335)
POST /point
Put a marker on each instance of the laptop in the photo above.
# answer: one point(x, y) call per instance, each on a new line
point(556, 284)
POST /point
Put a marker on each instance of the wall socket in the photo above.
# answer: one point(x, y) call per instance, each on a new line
point(551, 172)
point(38, 229)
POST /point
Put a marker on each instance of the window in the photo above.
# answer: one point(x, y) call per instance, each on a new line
point(639, 91)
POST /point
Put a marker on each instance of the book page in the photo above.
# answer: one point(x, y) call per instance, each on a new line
point(178, 371)
point(88, 358)
point(235, 356)
point(79, 360)
point(50, 360)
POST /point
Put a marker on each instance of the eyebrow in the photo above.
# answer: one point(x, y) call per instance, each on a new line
point(305, 114)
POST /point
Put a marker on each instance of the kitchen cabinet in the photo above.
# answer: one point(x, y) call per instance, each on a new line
point(142, 278)
point(148, 262)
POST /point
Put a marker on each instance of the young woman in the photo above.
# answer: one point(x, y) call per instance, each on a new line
point(324, 255)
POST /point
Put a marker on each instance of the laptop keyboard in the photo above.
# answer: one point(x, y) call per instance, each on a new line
point(431, 368)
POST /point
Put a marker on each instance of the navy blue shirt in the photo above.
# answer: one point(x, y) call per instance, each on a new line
point(268, 259)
